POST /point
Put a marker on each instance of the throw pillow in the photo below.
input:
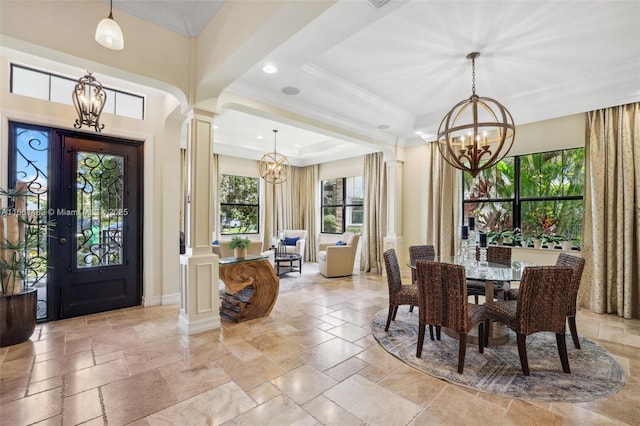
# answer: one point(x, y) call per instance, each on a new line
point(215, 243)
point(291, 241)
point(340, 243)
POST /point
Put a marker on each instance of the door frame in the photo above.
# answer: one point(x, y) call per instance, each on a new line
point(56, 176)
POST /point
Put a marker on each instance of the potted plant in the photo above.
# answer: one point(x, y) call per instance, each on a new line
point(18, 300)
point(566, 243)
point(553, 240)
point(239, 246)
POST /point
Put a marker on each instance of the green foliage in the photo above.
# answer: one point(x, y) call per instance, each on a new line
point(545, 180)
point(239, 242)
point(329, 224)
point(239, 204)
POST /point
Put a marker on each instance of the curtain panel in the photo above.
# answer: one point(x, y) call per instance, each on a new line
point(215, 185)
point(611, 234)
point(292, 205)
point(444, 203)
point(375, 213)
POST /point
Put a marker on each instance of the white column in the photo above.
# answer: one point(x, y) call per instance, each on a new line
point(199, 298)
point(395, 238)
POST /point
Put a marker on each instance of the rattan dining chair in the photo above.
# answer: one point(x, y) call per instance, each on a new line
point(541, 306)
point(424, 252)
point(577, 264)
point(443, 303)
point(495, 254)
point(399, 294)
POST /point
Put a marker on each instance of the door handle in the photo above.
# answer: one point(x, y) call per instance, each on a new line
point(63, 241)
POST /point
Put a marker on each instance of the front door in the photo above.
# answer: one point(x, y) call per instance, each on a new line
point(97, 208)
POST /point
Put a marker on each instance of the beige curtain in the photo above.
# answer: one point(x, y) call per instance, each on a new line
point(183, 187)
point(292, 205)
point(443, 203)
point(611, 281)
point(215, 186)
point(375, 213)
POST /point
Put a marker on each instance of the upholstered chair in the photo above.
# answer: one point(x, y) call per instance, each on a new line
point(399, 294)
point(442, 289)
point(495, 254)
point(338, 260)
point(541, 306)
point(295, 240)
point(577, 264)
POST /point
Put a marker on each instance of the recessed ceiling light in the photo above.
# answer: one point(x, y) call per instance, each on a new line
point(215, 126)
point(297, 145)
point(270, 69)
point(419, 133)
point(290, 90)
point(383, 127)
point(259, 137)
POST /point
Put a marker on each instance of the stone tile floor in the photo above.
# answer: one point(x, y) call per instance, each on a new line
point(312, 361)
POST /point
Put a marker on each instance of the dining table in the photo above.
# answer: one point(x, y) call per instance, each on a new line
point(491, 273)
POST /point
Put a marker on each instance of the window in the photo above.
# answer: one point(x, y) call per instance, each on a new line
point(55, 88)
point(342, 205)
point(239, 205)
point(540, 194)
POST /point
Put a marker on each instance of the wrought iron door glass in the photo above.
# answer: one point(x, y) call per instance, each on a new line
point(31, 177)
point(99, 209)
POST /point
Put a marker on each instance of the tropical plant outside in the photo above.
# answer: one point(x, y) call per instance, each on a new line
point(543, 199)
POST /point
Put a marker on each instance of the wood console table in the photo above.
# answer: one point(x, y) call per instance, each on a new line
point(251, 287)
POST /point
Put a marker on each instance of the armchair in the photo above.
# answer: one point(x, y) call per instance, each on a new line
point(291, 244)
point(337, 260)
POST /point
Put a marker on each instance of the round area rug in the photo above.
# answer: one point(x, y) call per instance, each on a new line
point(594, 372)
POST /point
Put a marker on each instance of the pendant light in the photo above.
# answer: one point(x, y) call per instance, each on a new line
point(89, 98)
point(274, 167)
point(477, 132)
point(108, 33)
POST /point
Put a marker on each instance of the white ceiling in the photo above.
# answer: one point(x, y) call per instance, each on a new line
point(404, 65)
point(185, 17)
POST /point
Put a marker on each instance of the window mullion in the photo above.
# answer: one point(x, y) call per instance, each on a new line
point(517, 220)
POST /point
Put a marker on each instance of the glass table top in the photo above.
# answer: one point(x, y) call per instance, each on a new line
point(248, 258)
point(490, 271)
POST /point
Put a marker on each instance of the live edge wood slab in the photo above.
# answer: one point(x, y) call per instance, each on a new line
point(251, 287)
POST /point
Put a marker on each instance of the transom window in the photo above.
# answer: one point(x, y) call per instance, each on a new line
point(56, 88)
point(239, 205)
point(342, 205)
point(538, 194)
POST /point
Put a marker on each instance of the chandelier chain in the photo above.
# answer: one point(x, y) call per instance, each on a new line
point(473, 75)
point(275, 134)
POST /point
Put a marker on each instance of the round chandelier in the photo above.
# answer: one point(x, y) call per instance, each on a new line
point(477, 132)
point(274, 167)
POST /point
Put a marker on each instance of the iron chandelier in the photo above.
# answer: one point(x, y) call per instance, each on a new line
point(477, 132)
point(89, 98)
point(274, 167)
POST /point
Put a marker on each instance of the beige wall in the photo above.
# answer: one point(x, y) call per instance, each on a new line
point(342, 168)
point(237, 166)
